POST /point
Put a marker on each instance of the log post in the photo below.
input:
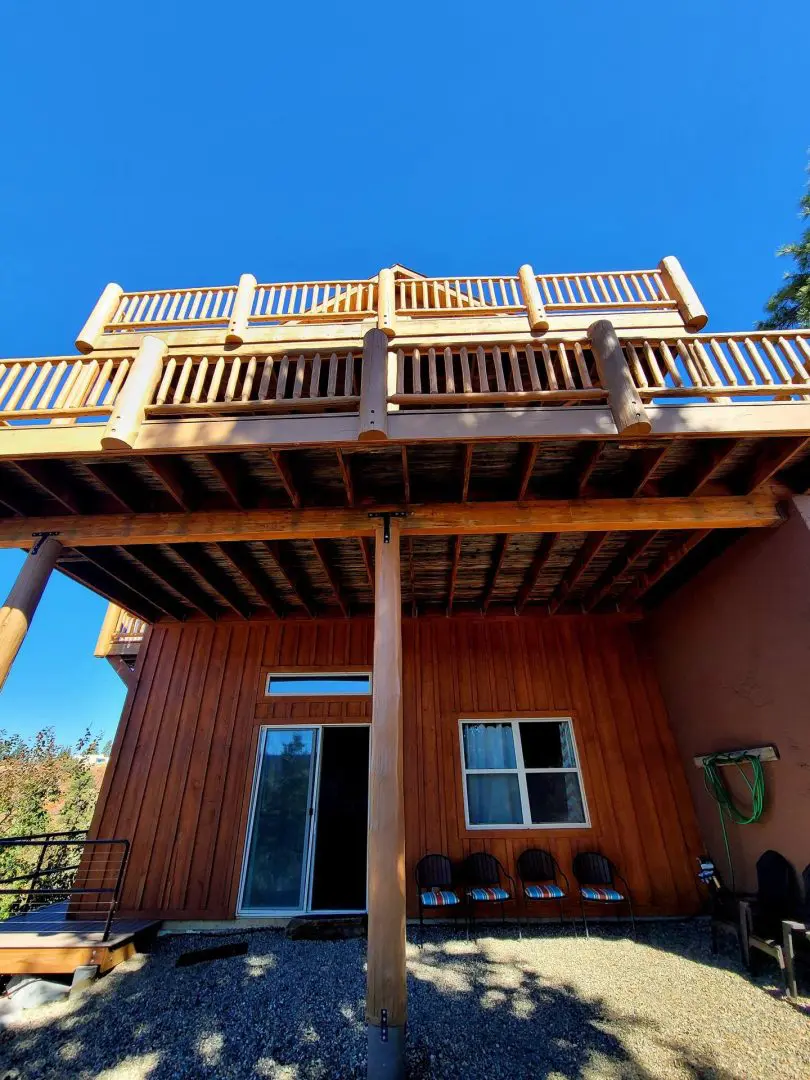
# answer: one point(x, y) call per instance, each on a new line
point(386, 303)
point(240, 312)
point(111, 617)
point(374, 387)
point(680, 289)
point(102, 313)
point(386, 1000)
point(18, 610)
point(615, 377)
point(139, 386)
point(532, 298)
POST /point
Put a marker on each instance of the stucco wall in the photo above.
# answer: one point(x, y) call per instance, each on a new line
point(732, 650)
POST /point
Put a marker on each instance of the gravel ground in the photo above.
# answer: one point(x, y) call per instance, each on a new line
point(549, 1007)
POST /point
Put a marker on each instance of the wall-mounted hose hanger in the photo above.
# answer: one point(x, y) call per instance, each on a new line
point(749, 766)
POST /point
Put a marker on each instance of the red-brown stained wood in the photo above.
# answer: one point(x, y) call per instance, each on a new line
point(178, 784)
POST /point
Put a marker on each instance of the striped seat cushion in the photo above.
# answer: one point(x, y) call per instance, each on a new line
point(440, 898)
point(488, 893)
point(593, 892)
point(544, 892)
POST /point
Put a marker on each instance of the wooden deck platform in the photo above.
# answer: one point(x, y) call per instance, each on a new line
point(47, 942)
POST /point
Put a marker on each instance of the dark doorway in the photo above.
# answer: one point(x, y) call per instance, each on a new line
point(339, 867)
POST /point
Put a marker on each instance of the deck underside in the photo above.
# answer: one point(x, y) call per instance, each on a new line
point(314, 578)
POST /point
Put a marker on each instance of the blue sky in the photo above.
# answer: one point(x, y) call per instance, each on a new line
point(184, 144)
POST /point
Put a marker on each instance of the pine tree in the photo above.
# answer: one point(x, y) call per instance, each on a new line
point(789, 306)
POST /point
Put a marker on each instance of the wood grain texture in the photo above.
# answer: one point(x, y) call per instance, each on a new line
point(178, 784)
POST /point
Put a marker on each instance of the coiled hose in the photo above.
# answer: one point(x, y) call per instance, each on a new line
point(716, 787)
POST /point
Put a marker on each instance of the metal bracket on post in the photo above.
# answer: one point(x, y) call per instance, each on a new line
point(386, 516)
point(383, 1025)
point(41, 538)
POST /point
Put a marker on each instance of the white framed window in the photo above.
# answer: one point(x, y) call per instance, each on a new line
point(522, 773)
point(318, 684)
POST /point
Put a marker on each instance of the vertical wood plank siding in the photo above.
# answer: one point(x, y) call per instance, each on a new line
point(179, 778)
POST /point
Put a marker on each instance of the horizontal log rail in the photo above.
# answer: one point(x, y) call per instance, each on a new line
point(440, 519)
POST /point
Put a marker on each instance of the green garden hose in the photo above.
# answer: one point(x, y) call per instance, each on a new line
point(722, 796)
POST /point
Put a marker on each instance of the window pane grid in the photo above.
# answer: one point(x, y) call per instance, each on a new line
point(558, 805)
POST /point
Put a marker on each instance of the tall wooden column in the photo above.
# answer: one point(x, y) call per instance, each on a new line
point(386, 1003)
point(18, 610)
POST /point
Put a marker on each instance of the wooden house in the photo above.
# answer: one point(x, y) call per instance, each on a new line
point(410, 565)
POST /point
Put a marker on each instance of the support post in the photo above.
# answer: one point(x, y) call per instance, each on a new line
point(111, 617)
point(374, 387)
point(139, 386)
point(386, 303)
point(102, 313)
point(240, 312)
point(532, 298)
point(615, 377)
point(386, 1001)
point(18, 610)
point(680, 289)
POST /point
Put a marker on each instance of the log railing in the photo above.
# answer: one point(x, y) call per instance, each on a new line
point(63, 388)
point(312, 301)
point(725, 368)
point(390, 294)
point(759, 364)
point(173, 307)
point(129, 630)
point(214, 385)
point(546, 372)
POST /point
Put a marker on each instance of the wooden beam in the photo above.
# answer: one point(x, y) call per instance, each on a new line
point(772, 461)
point(165, 470)
point(172, 575)
point(136, 591)
point(411, 575)
point(645, 581)
point(529, 457)
point(591, 458)
point(451, 588)
point(101, 477)
point(365, 551)
point(386, 994)
point(245, 564)
point(290, 575)
point(226, 477)
point(465, 480)
point(283, 470)
point(406, 477)
point(541, 557)
point(320, 552)
point(501, 544)
point(195, 556)
point(623, 562)
point(41, 474)
point(582, 560)
point(345, 465)
point(439, 519)
point(649, 462)
point(23, 599)
point(711, 459)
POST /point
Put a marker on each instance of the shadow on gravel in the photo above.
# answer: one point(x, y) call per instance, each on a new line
point(293, 1010)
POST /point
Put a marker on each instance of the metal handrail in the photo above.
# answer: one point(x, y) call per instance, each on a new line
point(67, 839)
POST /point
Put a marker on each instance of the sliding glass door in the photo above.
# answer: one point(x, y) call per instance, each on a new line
point(275, 876)
point(307, 834)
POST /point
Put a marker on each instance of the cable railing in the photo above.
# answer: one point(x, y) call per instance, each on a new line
point(61, 881)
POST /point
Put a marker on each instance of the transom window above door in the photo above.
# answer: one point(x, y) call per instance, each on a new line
point(318, 684)
point(522, 774)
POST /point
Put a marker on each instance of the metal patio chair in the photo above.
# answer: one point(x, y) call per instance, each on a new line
point(778, 900)
point(539, 873)
point(794, 930)
point(596, 876)
point(484, 878)
point(435, 888)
